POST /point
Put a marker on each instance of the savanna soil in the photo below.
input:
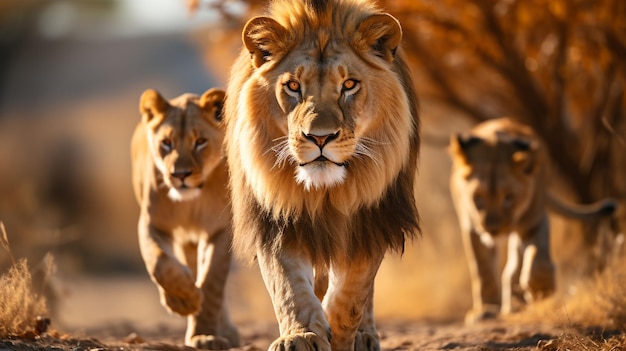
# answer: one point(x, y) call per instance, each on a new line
point(395, 335)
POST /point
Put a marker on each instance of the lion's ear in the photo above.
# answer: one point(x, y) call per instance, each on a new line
point(212, 101)
point(151, 104)
point(265, 39)
point(381, 33)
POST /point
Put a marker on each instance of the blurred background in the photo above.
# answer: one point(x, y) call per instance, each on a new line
point(72, 71)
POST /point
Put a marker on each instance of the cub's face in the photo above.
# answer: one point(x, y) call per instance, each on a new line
point(185, 138)
point(333, 105)
point(497, 179)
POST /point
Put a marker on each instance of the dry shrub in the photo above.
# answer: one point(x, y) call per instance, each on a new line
point(601, 300)
point(21, 309)
point(593, 317)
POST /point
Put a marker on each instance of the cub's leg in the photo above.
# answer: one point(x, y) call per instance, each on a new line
point(175, 281)
point(288, 277)
point(349, 306)
point(511, 270)
point(211, 328)
point(537, 276)
point(482, 261)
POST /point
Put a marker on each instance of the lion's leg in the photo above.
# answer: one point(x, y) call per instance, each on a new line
point(537, 277)
point(288, 277)
point(367, 337)
point(211, 328)
point(482, 264)
point(348, 304)
point(510, 271)
point(175, 281)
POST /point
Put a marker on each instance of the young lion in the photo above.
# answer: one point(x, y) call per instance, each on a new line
point(499, 187)
point(180, 182)
point(322, 144)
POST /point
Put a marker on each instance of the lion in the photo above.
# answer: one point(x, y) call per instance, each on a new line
point(498, 184)
point(322, 145)
point(180, 181)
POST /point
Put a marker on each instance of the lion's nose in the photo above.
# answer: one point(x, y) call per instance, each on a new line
point(181, 174)
point(321, 140)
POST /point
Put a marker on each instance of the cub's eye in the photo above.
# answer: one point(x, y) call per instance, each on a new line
point(350, 86)
point(166, 144)
point(200, 143)
point(479, 202)
point(507, 201)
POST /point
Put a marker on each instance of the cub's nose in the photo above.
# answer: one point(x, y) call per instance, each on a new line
point(181, 174)
point(321, 140)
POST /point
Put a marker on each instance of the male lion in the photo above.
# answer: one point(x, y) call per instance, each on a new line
point(180, 182)
point(322, 144)
point(499, 187)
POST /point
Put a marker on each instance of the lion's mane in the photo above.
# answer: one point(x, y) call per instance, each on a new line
point(373, 209)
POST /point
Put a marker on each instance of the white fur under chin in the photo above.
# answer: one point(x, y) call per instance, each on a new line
point(184, 194)
point(320, 175)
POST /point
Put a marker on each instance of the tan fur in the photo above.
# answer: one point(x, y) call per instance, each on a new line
point(499, 188)
point(184, 231)
point(351, 93)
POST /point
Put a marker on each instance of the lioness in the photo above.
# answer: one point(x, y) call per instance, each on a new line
point(499, 187)
point(180, 181)
point(322, 144)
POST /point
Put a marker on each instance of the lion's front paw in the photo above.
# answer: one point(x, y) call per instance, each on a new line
point(299, 342)
point(185, 300)
point(209, 342)
point(366, 341)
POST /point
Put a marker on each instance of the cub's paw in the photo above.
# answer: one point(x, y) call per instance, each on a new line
point(231, 334)
point(209, 342)
point(368, 341)
point(480, 315)
point(177, 286)
point(184, 300)
point(300, 342)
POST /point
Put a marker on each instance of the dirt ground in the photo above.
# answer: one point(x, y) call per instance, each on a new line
point(395, 335)
point(124, 314)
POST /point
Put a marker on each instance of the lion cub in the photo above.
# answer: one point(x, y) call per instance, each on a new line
point(499, 187)
point(180, 182)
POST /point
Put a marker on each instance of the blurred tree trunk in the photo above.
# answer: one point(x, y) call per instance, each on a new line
point(558, 65)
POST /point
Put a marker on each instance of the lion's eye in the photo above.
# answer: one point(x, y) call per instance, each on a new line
point(292, 88)
point(200, 143)
point(350, 86)
point(166, 144)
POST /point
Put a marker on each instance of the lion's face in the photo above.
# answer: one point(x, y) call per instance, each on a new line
point(185, 138)
point(336, 112)
point(327, 119)
point(499, 176)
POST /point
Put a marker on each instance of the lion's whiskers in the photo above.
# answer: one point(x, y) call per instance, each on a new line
point(363, 150)
point(281, 148)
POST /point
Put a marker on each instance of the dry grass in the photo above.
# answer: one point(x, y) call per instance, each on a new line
point(593, 317)
point(22, 310)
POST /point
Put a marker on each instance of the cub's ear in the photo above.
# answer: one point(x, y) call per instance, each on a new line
point(525, 155)
point(212, 101)
point(265, 39)
point(381, 33)
point(460, 143)
point(151, 104)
